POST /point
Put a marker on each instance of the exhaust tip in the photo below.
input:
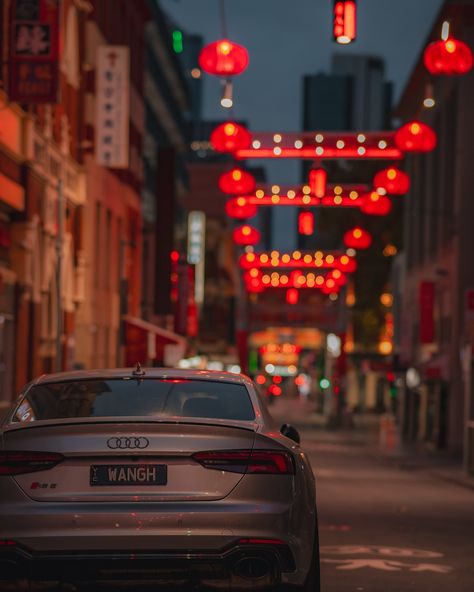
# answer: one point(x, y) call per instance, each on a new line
point(252, 568)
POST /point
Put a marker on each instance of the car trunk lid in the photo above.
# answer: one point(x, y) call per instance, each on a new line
point(110, 461)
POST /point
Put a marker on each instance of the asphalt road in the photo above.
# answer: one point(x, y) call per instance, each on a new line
point(385, 529)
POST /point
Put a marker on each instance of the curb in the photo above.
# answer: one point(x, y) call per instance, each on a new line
point(460, 480)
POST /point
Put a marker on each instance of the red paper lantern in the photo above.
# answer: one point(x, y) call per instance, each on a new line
point(239, 209)
point(339, 277)
point(255, 286)
point(292, 296)
point(393, 180)
point(346, 264)
point(330, 286)
point(297, 279)
point(252, 274)
point(375, 204)
point(357, 238)
point(344, 23)
point(237, 182)
point(230, 136)
point(448, 57)
point(224, 58)
point(318, 182)
point(415, 137)
point(306, 223)
point(247, 260)
point(246, 235)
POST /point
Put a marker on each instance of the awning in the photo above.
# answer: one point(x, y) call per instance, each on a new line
point(148, 343)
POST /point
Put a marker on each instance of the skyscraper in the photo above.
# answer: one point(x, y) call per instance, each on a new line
point(370, 95)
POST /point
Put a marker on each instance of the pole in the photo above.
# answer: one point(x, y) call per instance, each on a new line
point(59, 263)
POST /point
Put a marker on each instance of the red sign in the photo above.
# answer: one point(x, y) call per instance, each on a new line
point(427, 301)
point(344, 26)
point(34, 51)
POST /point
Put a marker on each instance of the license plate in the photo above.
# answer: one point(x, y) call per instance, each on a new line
point(135, 474)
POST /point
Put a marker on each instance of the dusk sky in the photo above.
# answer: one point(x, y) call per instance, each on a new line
point(289, 38)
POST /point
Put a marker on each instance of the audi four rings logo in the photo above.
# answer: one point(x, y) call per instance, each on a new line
point(128, 442)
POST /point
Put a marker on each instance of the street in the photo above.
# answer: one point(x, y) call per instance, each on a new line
point(206, 205)
point(383, 528)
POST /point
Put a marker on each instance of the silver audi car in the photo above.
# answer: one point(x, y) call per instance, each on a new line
point(154, 478)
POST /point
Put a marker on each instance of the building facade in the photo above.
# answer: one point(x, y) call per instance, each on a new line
point(75, 232)
point(436, 338)
point(43, 193)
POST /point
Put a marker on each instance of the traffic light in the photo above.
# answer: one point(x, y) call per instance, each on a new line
point(177, 41)
point(391, 385)
point(324, 383)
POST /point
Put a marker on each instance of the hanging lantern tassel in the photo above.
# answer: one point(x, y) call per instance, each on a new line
point(429, 101)
point(227, 99)
point(292, 296)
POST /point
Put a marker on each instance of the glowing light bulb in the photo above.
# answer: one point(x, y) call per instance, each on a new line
point(229, 129)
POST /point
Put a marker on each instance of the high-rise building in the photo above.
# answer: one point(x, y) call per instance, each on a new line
point(353, 96)
point(370, 93)
point(327, 102)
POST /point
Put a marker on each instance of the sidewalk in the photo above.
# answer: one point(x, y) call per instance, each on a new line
point(440, 464)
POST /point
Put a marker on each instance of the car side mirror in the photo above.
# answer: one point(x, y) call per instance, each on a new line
point(290, 432)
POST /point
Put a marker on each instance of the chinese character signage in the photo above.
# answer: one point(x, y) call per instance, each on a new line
point(196, 251)
point(113, 106)
point(34, 51)
point(196, 230)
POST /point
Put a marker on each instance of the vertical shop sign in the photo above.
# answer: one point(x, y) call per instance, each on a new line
point(427, 321)
point(196, 251)
point(34, 51)
point(113, 106)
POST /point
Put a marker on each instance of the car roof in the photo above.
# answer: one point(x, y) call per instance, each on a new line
point(107, 374)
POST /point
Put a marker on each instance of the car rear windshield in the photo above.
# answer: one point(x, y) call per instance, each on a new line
point(136, 398)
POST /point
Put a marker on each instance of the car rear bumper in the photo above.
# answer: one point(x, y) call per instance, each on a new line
point(72, 531)
point(244, 565)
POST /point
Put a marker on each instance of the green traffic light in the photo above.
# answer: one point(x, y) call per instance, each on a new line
point(324, 383)
point(177, 41)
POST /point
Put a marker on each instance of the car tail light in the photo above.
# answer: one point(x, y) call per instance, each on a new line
point(256, 462)
point(17, 463)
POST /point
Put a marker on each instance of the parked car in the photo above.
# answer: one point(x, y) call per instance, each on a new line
point(172, 476)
